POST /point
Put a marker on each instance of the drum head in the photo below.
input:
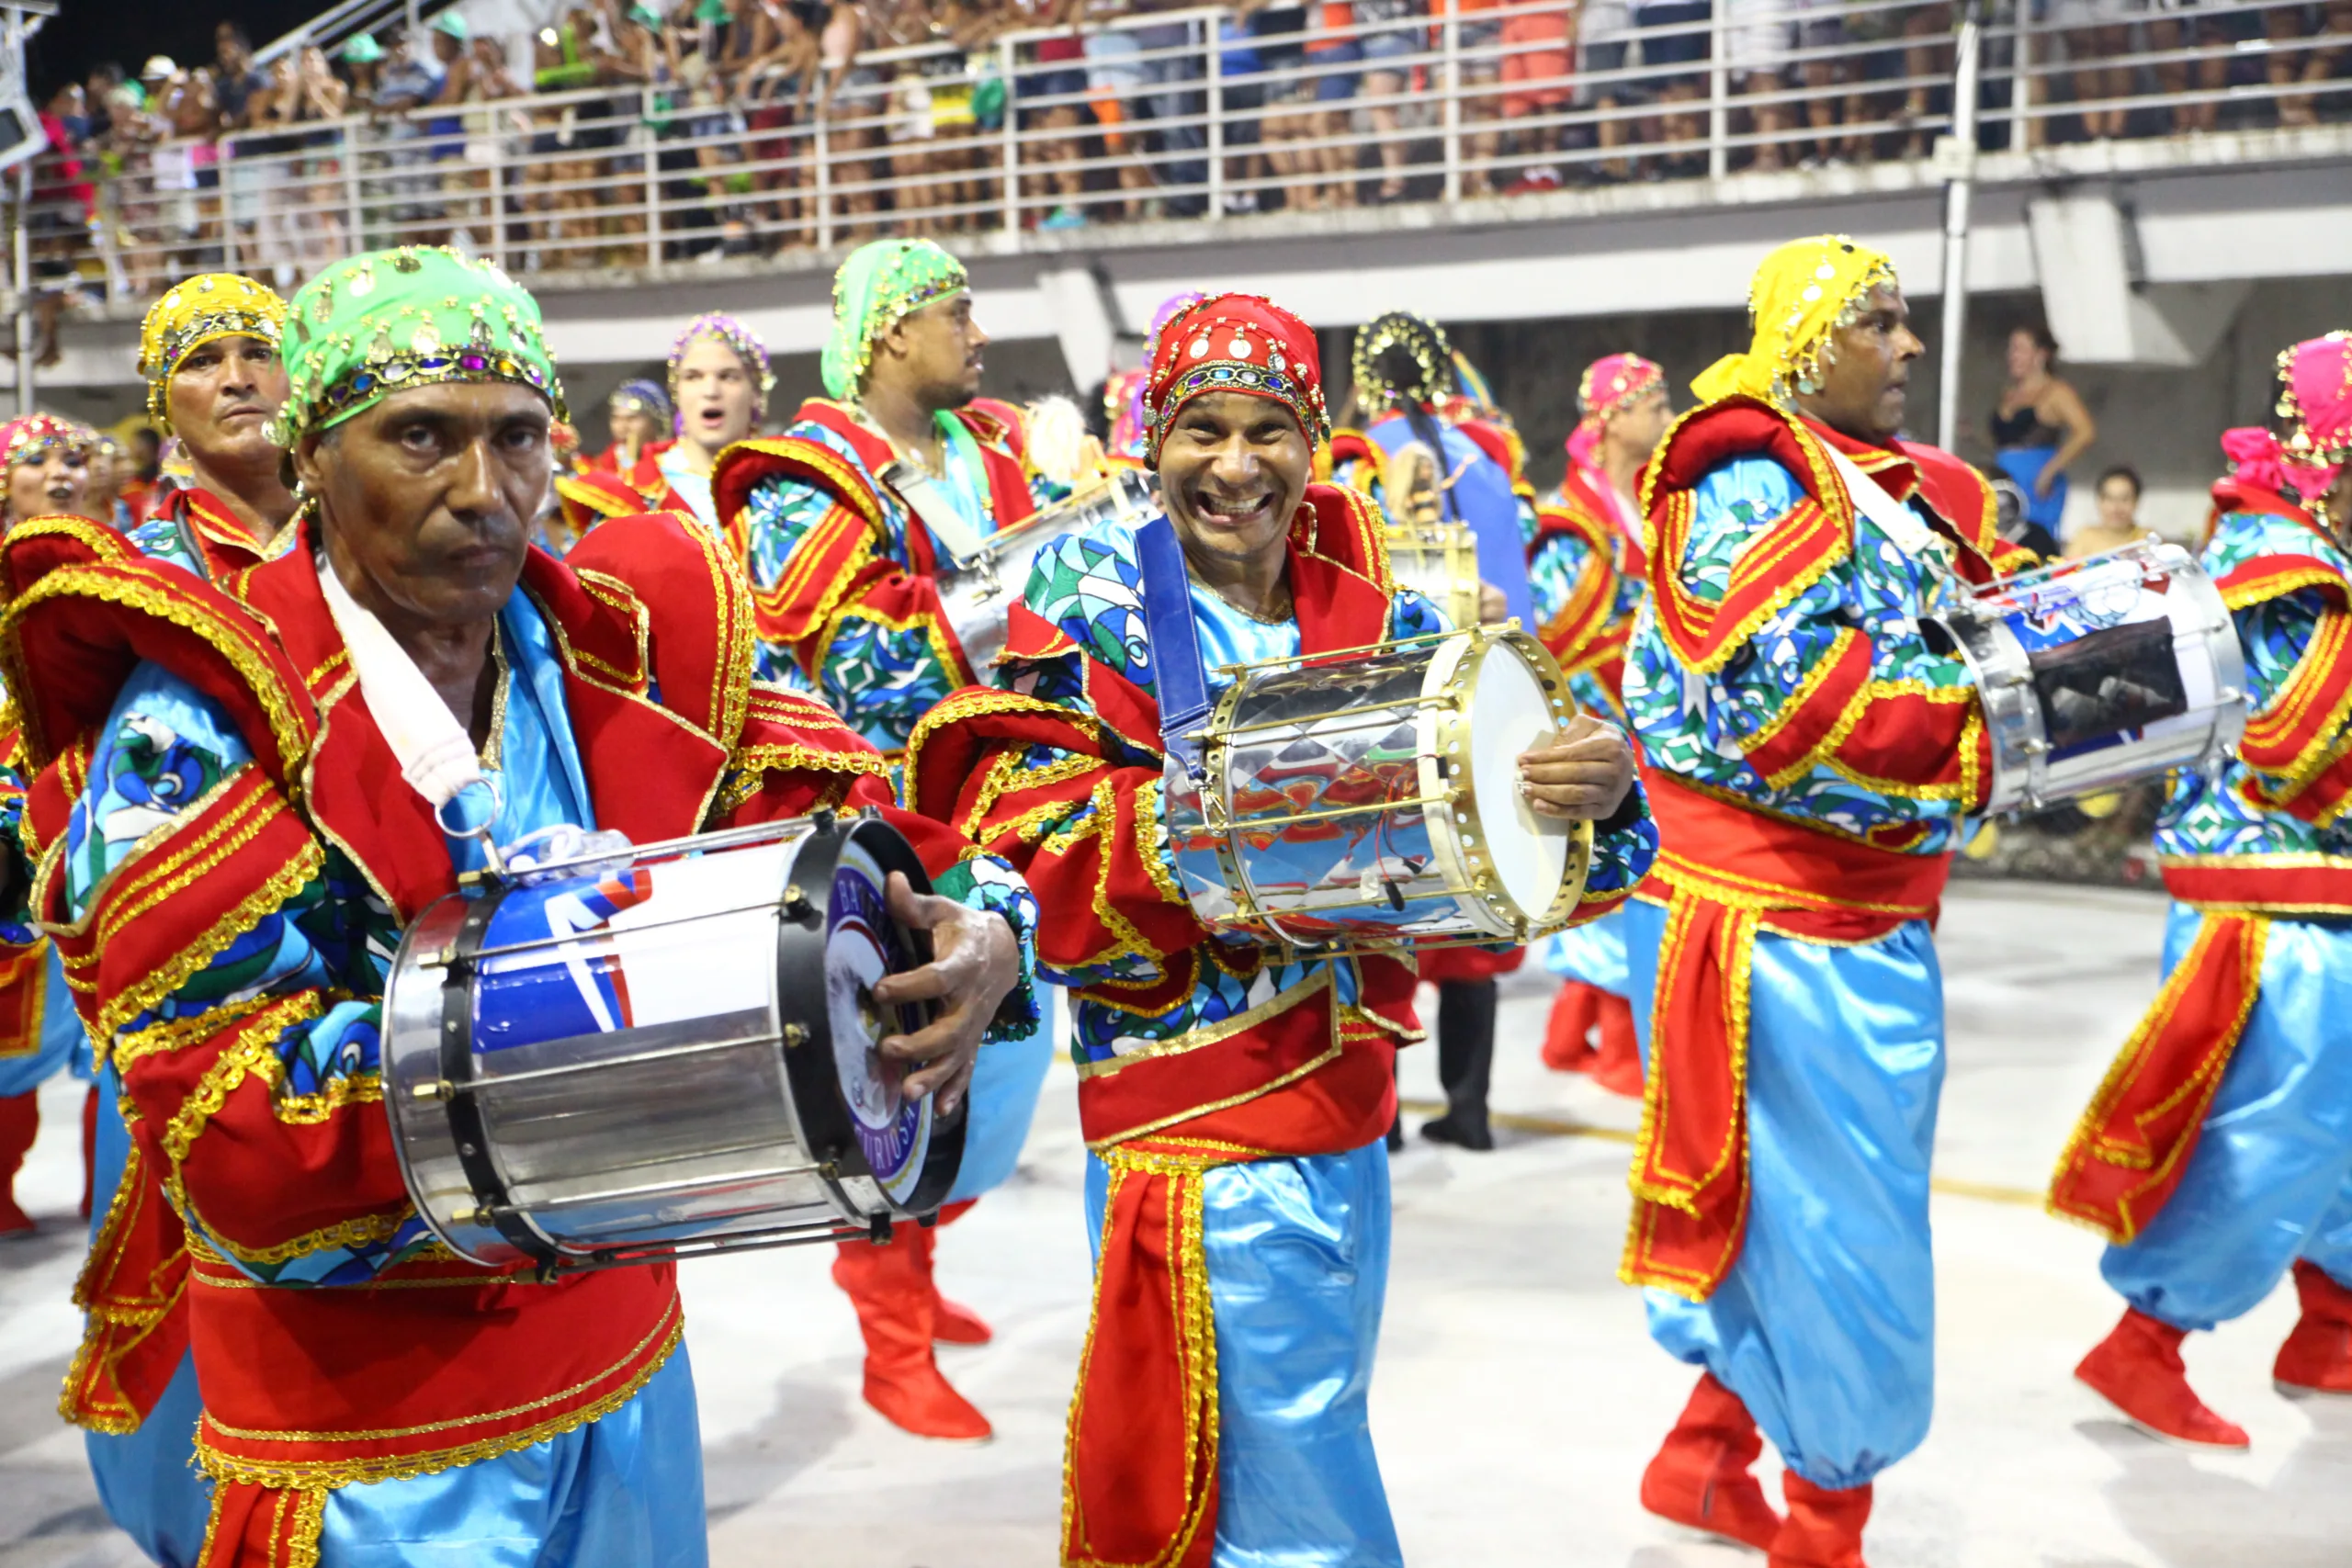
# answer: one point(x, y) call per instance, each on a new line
point(849, 1095)
point(1509, 712)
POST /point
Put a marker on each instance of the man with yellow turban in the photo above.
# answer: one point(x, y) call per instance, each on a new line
point(843, 584)
point(209, 352)
point(408, 683)
point(1813, 764)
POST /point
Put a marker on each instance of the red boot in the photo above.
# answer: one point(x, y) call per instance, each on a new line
point(952, 1323)
point(1700, 1477)
point(2317, 1357)
point(1618, 1065)
point(2137, 1369)
point(891, 1287)
point(1824, 1528)
point(19, 1125)
point(1567, 1046)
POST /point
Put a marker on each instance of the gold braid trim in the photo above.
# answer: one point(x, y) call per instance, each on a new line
point(1187, 1251)
point(2129, 1061)
point(109, 586)
point(324, 1475)
point(135, 999)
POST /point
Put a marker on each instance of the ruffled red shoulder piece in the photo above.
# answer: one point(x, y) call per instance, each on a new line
point(747, 464)
point(591, 495)
point(655, 595)
point(84, 609)
point(1959, 494)
point(1791, 552)
point(1500, 442)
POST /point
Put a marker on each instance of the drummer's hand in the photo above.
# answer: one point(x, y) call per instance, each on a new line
point(975, 961)
point(1492, 606)
point(1582, 775)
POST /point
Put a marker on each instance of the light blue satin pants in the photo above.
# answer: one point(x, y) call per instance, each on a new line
point(1005, 1084)
point(1594, 954)
point(623, 1492)
point(147, 1481)
point(2271, 1178)
point(1825, 1325)
point(1299, 1265)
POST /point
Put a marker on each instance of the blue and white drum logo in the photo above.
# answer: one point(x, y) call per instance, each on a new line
point(862, 946)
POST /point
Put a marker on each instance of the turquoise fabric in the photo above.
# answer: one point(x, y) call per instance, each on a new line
point(147, 1481)
point(2214, 817)
point(537, 768)
point(1691, 725)
point(623, 1492)
point(1298, 1253)
point(1594, 954)
point(2271, 1178)
point(1825, 1325)
point(1006, 1081)
point(693, 488)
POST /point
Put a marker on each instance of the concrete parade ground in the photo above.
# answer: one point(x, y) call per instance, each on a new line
point(1517, 1397)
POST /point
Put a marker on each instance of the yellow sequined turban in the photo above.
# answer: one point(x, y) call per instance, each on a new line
point(1801, 294)
point(202, 309)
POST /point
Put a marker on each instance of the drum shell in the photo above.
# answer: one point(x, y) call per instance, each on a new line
point(1383, 839)
point(690, 1133)
point(2028, 772)
point(977, 596)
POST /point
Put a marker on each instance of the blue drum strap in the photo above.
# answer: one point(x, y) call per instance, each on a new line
point(1178, 672)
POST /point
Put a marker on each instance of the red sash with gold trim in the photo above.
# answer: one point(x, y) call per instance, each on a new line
point(2133, 1142)
point(1732, 873)
point(1311, 1080)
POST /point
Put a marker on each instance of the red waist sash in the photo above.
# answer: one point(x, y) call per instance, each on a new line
point(1729, 872)
point(2131, 1146)
point(1308, 1078)
point(433, 1367)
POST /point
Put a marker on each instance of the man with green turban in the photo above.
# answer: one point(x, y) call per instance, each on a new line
point(843, 582)
point(250, 801)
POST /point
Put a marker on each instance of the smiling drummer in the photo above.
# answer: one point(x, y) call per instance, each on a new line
point(2217, 1154)
point(1812, 765)
point(239, 818)
point(1234, 1099)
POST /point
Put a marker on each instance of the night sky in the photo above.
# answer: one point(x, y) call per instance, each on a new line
point(127, 31)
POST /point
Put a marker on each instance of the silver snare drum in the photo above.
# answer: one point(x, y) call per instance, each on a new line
point(980, 590)
point(669, 1051)
point(2099, 672)
point(1372, 798)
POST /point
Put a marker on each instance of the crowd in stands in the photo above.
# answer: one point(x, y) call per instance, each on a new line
point(764, 123)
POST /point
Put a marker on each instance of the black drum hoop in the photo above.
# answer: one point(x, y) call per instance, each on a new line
point(469, 1129)
point(826, 1123)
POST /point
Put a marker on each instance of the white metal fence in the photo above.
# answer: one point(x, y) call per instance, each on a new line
point(1178, 114)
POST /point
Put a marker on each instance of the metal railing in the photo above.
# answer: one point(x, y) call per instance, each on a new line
point(1169, 114)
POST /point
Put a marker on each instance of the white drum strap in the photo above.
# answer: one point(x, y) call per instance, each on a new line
point(927, 501)
point(1888, 515)
point(435, 755)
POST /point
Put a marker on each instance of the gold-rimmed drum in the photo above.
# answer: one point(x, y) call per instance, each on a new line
point(1372, 798)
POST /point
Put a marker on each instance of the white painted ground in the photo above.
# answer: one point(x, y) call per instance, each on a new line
point(1517, 1398)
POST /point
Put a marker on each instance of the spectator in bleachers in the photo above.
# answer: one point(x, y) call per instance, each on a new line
point(1478, 38)
point(1388, 51)
point(1673, 33)
point(237, 79)
point(849, 100)
point(1050, 87)
point(406, 84)
point(1241, 65)
point(1764, 46)
point(1927, 57)
point(1171, 58)
point(1604, 38)
point(1538, 80)
point(2096, 32)
point(2207, 28)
